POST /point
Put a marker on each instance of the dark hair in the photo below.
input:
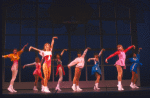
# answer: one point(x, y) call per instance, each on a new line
point(36, 59)
point(56, 55)
point(79, 52)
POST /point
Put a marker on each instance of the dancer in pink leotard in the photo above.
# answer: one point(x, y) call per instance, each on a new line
point(37, 72)
point(120, 63)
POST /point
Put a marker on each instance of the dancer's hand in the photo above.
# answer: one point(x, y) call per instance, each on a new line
point(55, 37)
point(140, 48)
point(65, 49)
point(68, 67)
point(2, 56)
point(30, 48)
point(88, 60)
point(133, 46)
point(23, 66)
point(103, 49)
point(106, 61)
point(26, 45)
point(88, 48)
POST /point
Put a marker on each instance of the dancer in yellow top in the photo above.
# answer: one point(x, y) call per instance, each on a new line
point(15, 56)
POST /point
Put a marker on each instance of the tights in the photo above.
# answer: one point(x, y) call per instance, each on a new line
point(77, 76)
point(47, 73)
point(134, 77)
point(97, 77)
point(120, 72)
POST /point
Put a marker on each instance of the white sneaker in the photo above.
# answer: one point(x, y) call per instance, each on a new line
point(42, 88)
point(57, 88)
point(73, 88)
point(14, 90)
point(35, 89)
point(132, 86)
point(10, 89)
point(135, 86)
point(46, 90)
point(78, 88)
point(94, 87)
point(120, 88)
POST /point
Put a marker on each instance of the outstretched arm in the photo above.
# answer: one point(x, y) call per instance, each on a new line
point(91, 59)
point(130, 47)
point(34, 48)
point(101, 52)
point(20, 52)
point(7, 56)
point(29, 64)
point(85, 51)
point(52, 43)
point(63, 52)
point(112, 55)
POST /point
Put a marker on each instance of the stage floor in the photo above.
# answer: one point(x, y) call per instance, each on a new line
point(142, 91)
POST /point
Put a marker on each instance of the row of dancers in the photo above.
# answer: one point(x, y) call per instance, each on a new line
point(46, 54)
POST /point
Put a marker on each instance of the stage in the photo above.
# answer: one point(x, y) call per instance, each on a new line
point(87, 92)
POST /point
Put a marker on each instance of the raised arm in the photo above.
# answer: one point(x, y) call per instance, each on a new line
point(75, 61)
point(34, 48)
point(139, 50)
point(52, 43)
point(101, 52)
point(24, 47)
point(112, 55)
point(63, 52)
point(29, 64)
point(85, 51)
point(130, 47)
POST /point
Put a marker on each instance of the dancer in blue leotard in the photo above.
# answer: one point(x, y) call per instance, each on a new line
point(133, 68)
point(96, 69)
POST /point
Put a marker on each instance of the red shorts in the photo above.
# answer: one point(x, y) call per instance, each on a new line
point(37, 72)
point(59, 65)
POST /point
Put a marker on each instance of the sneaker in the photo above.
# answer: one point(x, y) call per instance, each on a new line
point(35, 89)
point(132, 86)
point(14, 90)
point(94, 87)
point(10, 89)
point(57, 88)
point(46, 90)
point(79, 89)
point(120, 88)
point(135, 86)
point(73, 88)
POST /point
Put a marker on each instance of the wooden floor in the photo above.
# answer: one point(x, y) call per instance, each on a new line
point(87, 92)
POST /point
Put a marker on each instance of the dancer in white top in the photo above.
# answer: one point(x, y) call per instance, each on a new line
point(79, 62)
point(46, 54)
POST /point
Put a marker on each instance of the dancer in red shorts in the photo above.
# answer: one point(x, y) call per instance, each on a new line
point(60, 69)
point(37, 72)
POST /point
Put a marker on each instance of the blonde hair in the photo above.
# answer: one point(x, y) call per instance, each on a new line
point(119, 45)
point(49, 46)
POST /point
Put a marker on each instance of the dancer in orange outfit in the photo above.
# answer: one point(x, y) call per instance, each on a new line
point(37, 72)
point(120, 63)
point(46, 54)
point(15, 56)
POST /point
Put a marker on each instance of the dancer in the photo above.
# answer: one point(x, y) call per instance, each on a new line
point(60, 69)
point(37, 73)
point(96, 69)
point(46, 54)
point(133, 68)
point(120, 63)
point(15, 56)
point(80, 64)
